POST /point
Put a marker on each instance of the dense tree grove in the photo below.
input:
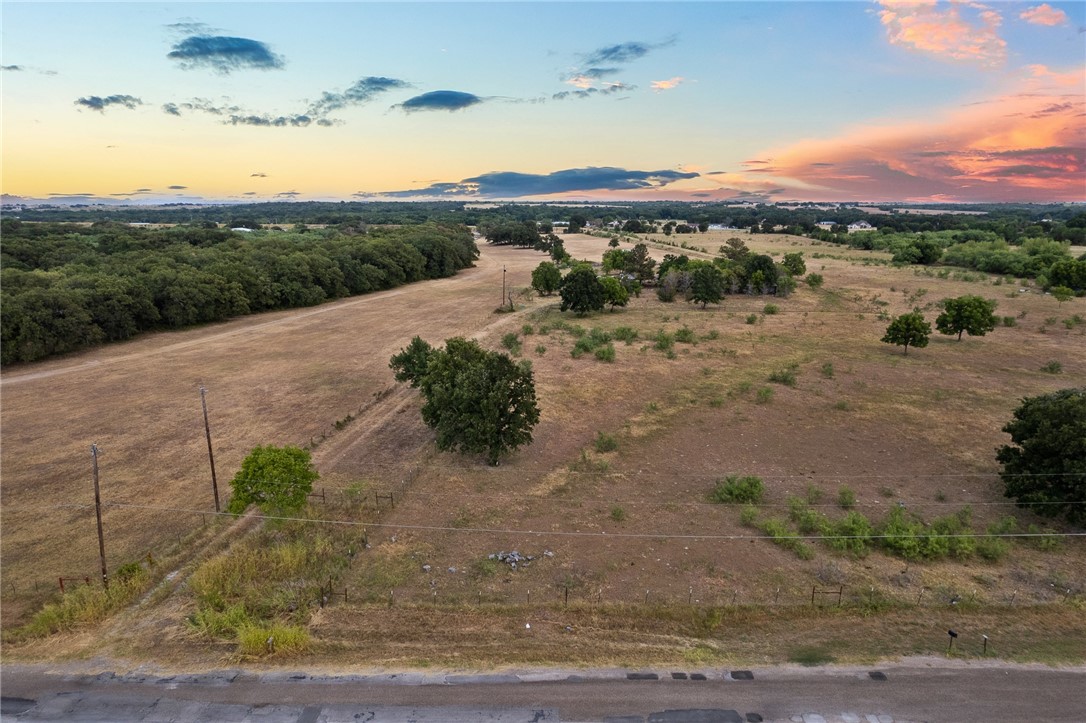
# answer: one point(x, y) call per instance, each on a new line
point(66, 287)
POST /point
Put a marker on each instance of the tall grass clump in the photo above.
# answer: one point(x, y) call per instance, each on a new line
point(84, 605)
point(261, 640)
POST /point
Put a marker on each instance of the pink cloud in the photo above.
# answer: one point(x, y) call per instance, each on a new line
point(1026, 145)
point(658, 85)
point(1044, 15)
point(960, 31)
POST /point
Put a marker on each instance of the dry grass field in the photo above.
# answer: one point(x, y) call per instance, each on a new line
point(630, 526)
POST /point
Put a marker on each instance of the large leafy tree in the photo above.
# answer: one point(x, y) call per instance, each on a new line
point(908, 330)
point(706, 284)
point(278, 480)
point(972, 314)
point(545, 278)
point(477, 401)
point(582, 291)
point(614, 293)
point(411, 363)
point(1045, 467)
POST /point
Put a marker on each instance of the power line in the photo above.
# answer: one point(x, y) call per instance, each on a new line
point(578, 533)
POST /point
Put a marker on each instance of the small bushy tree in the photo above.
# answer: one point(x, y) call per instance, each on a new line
point(546, 278)
point(614, 293)
point(972, 314)
point(278, 480)
point(908, 330)
point(706, 284)
point(581, 291)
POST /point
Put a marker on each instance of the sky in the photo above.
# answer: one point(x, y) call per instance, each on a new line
point(874, 100)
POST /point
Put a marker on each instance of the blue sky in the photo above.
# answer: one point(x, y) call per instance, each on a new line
point(773, 100)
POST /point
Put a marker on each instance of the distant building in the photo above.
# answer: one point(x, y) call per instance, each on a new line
point(826, 225)
point(242, 229)
point(860, 226)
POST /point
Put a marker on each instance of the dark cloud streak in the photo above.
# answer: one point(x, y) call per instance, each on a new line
point(224, 54)
point(510, 184)
point(100, 104)
point(447, 100)
point(362, 91)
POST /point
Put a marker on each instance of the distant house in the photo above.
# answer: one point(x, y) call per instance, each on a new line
point(826, 225)
point(860, 226)
point(242, 229)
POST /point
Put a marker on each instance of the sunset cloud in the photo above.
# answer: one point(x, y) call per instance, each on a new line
point(448, 100)
point(1044, 15)
point(98, 103)
point(1026, 145)
point(658, 85)
point(958, 31)
point(511, 184)
point(224, 54)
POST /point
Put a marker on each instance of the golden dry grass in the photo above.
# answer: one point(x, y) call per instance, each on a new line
point(918, 429)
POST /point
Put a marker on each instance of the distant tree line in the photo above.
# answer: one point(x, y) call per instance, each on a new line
point(66, 287)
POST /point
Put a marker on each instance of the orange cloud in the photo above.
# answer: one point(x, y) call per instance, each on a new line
point(963, 31)
point(658, 85)
point(1027, 145)
point(1044, 15)
point(580, 81)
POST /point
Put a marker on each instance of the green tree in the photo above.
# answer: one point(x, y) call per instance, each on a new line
point(614, 293)
point(1061, 294)
point(581, 291)
point(411, 363)
point(278, 480)
point(613, 243)
point(577, 222)
point(908, 330)
point(477, 400)
point(1045, 467)
point(706, 284)
point(546, 278)
point(795, 264)
point(640, 264)
point(972, 314)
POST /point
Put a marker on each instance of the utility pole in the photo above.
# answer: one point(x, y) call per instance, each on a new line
point(503, 287)
point(98, 514)
point(210, 453)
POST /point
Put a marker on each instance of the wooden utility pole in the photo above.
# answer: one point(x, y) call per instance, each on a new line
point(210, 452)
point(503, 286)
point(98, 514)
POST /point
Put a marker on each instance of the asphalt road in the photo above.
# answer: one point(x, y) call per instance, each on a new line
point(834, 694)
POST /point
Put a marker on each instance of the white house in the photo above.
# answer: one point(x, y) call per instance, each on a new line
point(860, 226)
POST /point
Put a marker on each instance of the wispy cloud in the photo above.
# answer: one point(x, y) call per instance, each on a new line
point(1044, 14)
point(1026, 145)
point(362, 91)
point(271, 121)
point(177, 188)
point(224, 54)
point(510, 184)
point(958, 31)
point(623, 52)
point(98, 103)
point(12, 68)
point(258, 175)
point(447, 100)
point(608, 89)
point(659, 85)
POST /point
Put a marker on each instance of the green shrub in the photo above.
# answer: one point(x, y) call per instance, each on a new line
point(814, 280)
point(511, 342)
point(764, 396)
point(1045, 539)
point(992, 549)
point(527, 330)
point(713, 334)
point(1053, 367)
point(605, 442)
point(748, 516)
point(827, 370)
point(786, 377)
point(686, 336)
point(618, 514)
point(852, 534)
point(752, 318)
point(1010, 321)
point(770, 309)
point(663, 341)
point(540, 349)
point(606, 353)
point(626, 334)
point(735, 489)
